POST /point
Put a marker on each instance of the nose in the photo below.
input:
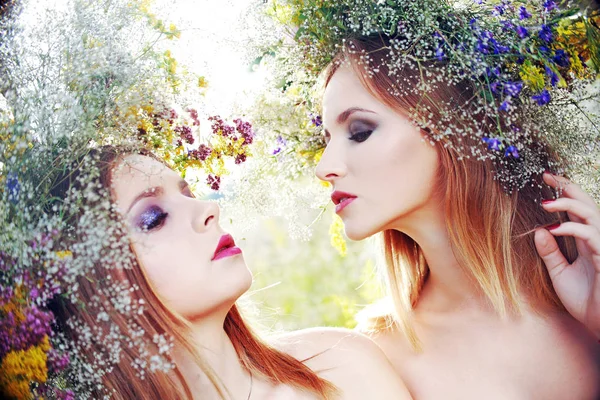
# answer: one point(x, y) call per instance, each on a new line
point(331, 165)
point(206, 215)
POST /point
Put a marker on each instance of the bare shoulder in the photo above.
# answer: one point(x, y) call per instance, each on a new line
point(348, 359)
point(569, 357)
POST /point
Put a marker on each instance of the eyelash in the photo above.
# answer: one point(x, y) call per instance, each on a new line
point(155, 217)
point(360, 137)
point(151, 219)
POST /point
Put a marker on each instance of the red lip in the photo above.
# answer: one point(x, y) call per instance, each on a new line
point(225, 248)
point(341, 200)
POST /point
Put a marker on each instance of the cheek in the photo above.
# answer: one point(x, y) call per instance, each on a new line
point(402, 164)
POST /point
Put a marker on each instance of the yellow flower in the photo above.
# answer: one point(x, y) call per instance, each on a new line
point(202, 82)
point(21, 367)
point(337, 238)
point(64, 254)
point(173, 32)
point(532, 76)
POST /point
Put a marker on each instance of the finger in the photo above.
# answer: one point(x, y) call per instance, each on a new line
point(585, 213)
point(568, 188)
point(548, 249)
point(589, 234)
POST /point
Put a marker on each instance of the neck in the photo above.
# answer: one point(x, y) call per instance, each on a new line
point(216, 349)
point(448, 286)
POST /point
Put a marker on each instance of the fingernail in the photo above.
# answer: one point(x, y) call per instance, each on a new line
point(547, 201)
point(553, 226)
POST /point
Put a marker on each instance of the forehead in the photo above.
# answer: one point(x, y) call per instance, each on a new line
point(344, 88)
point(135, 173)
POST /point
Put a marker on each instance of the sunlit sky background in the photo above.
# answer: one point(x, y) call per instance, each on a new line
point(213, 34)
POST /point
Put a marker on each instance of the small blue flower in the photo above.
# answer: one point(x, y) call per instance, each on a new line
point(439, 54)
point(492, 71)
point(513, 88)
point(546, 34)
point(501, 49)
point(523, 13)
point(493, 143)
point(13, 187)
point(498, 10)
point(511, 151)
point(505, 104)
point(552, 75)
point(561, 58)
point(543, 98)
point(522, 32)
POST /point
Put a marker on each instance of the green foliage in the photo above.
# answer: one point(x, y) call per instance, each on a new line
point(301, 284)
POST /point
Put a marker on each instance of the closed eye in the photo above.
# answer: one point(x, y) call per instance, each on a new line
point(151, 219)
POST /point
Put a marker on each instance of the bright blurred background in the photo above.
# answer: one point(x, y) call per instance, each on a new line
point(300, 279)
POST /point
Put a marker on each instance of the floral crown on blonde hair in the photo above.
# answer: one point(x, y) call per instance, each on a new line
point(532, 69)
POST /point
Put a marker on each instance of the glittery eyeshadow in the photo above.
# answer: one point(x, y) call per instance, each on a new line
point(151, 218)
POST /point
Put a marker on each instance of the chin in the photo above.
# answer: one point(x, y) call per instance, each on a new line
point(356, 233)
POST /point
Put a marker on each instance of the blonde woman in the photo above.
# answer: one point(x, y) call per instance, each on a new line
point(189, 274)
point(479, 307)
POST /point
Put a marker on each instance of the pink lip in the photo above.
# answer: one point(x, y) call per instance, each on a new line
point(341, 200)
point(343, 204)
point(226, 248)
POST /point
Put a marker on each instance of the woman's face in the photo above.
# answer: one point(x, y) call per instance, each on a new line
point(189, 260)
point(381, 169)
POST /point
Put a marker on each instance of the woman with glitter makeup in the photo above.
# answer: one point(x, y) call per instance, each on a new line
point(189, 274)
point(482, 281)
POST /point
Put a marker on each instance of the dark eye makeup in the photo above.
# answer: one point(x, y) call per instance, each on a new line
point(152, 218)
point(360, 130)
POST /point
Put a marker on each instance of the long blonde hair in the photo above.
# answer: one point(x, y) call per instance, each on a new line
point(490, 231)
point(123, 380)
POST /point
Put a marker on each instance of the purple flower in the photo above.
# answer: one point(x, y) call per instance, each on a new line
point(561, 58)
point(549, 5)
point(523, 13)
point(185, 133)
point(522, 32)
point(507, 26)
point(245, 130)
point(214, 181)
point(511, 151)
point(316, 119)
point(543, 98)
point(505, 104)
point(240, 158)
point(546, 34)
point(281, 143)
point(498, 10)
point(494, 87)
point(201, 153)
point(194, 115)
point(513, 88)
point(552, 75)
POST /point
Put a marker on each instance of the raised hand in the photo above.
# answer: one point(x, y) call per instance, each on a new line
point(577, 284)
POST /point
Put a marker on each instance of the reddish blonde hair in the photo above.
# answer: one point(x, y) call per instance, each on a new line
point(490, 230)
point(122, 381)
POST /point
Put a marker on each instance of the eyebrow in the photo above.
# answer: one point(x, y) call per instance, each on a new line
point(155, 191)
point(343, 117)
